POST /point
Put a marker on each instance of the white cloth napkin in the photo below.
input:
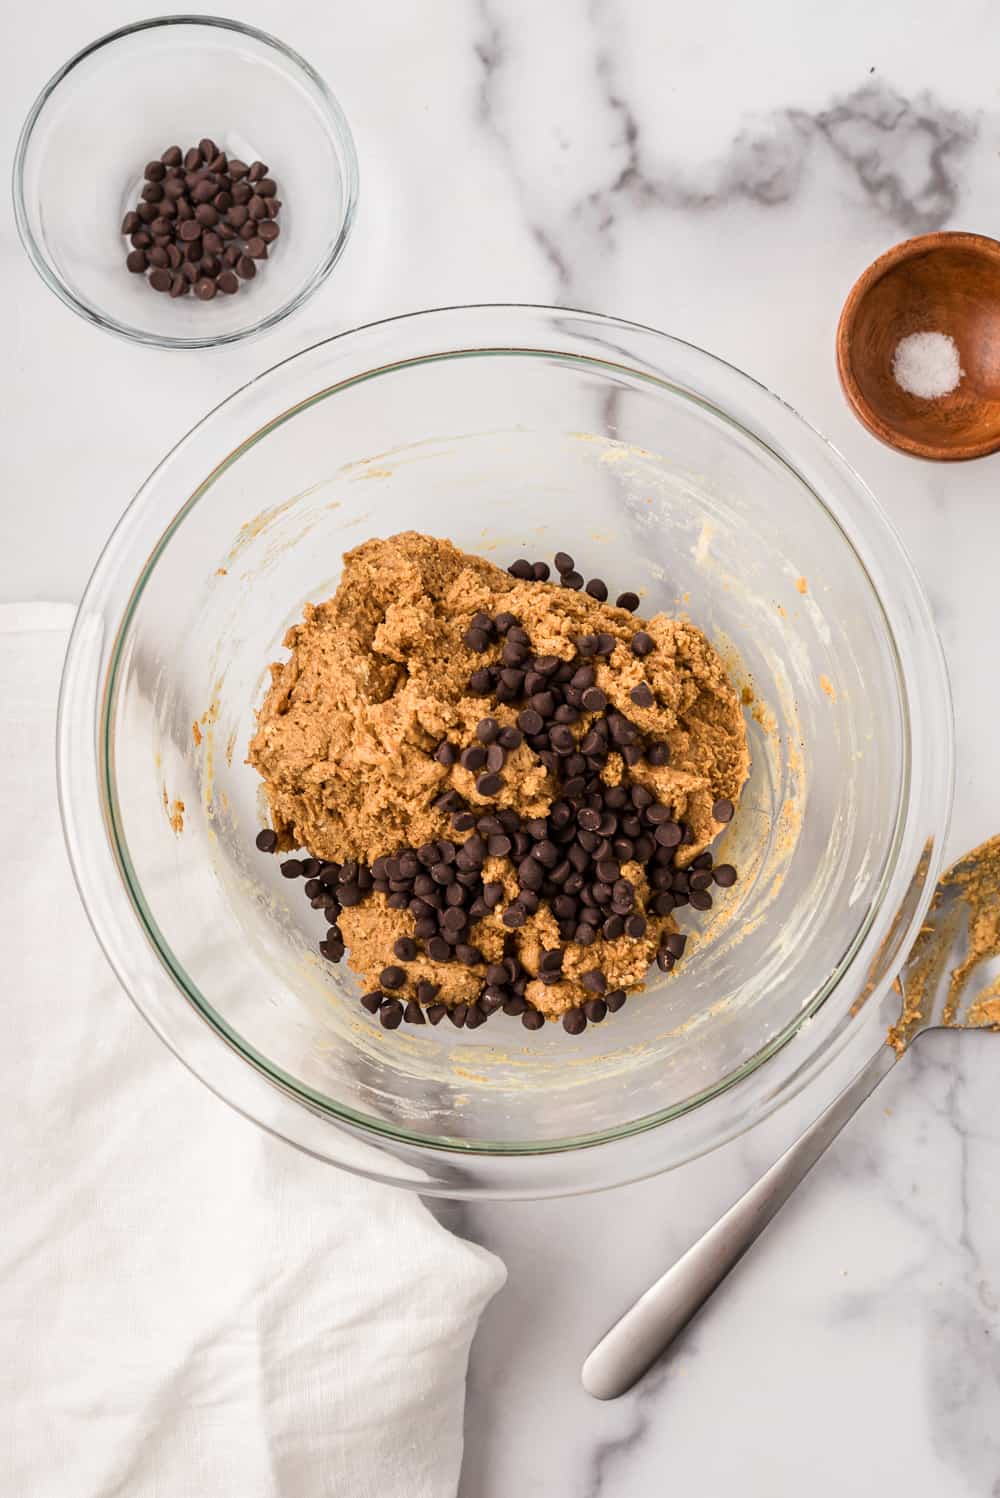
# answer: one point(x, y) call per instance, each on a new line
point(188, 1307)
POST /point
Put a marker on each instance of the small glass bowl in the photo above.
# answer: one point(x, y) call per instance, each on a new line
point(120, 103)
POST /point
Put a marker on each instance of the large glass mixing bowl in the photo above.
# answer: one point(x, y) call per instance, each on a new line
point(510, 430)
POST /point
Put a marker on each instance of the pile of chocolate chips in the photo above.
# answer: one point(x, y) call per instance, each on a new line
point(203, 221)
point(570, 859)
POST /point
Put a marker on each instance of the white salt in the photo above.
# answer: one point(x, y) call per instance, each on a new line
point(927, 365)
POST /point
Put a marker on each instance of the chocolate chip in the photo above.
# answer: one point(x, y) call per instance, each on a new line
point(701, 899)
point(474, 1017)
point(635, 926)
point(594, 981)
point(574, 1022)
point(668, 835)
point(571, 580)
point(642, 643)
point(413, 1014)
point(291, 868)
point(267, 840)
point(595, 1010)
point(510, 738)
point(532, 1019)
point(521, 569)
point(205, 289)
point(675, 943)
point(406, 950)
point(724, 874)
point(391, 1014)
point(723, 810)
point(481, 683)
point(458, 1014)
point(642, 695)
point(373, 1002)
point(658, 753)
point(490, 784)
point(436, 1013)
point(473, 758)
point(594, 700)
point(530, 721)
point(628, 601)
point(598, 589)
point(487, 730)
point(476, 639)
point(615, 1000)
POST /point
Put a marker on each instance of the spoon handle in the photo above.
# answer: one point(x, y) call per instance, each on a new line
point(645, 1331)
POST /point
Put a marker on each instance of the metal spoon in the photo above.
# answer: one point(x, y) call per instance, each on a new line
point(960, 936)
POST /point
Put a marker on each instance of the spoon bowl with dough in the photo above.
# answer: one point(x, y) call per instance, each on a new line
point(951, 980)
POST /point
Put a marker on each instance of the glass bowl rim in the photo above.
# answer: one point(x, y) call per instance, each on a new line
point(360, 1125)
point(336, 125)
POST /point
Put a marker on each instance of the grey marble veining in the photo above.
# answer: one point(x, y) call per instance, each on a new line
point(722, 173)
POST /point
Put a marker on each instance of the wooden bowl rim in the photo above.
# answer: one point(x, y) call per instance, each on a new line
point(908, 249)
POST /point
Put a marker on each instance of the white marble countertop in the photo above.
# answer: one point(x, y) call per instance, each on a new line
point(723, 173)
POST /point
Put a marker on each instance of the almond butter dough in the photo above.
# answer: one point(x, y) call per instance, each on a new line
point(378, 675)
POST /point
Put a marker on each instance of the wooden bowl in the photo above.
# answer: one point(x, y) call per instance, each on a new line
point(937, 283)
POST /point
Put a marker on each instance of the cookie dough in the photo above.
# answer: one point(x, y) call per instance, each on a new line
point(378, 676)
